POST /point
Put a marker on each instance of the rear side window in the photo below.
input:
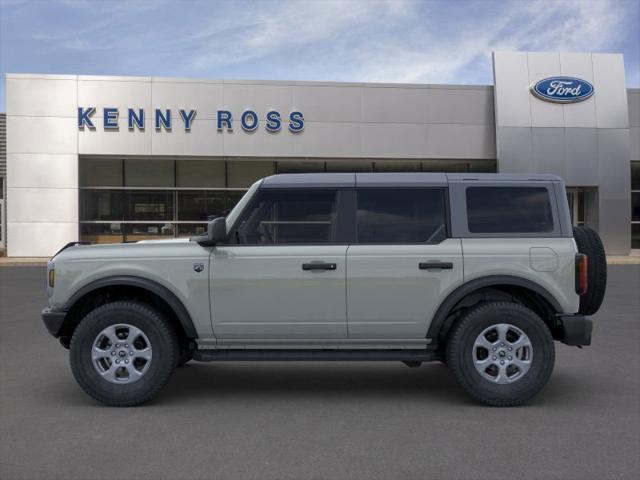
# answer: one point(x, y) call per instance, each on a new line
point(509, 210)
point(388, 215)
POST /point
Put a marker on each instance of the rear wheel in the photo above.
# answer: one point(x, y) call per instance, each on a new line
point(501, 353)
point(588, 242)
point(122, 353)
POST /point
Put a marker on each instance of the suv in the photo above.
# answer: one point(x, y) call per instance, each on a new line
point(481, 272)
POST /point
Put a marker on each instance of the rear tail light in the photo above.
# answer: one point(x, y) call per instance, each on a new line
point(582, 266)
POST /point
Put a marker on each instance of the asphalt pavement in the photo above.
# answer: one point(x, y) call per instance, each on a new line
point(319, 420)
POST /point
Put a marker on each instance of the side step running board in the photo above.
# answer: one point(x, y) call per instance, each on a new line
point(314, 355)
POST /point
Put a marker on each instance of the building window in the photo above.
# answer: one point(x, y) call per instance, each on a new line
point(127, 199)
point(635, 205)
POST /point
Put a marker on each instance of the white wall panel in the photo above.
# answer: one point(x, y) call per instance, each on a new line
point(328, 140)
point(259, 98)
point(394, 140)
point(580, 114)
point(39, 239)
point(43, 97)
point(203, 139)
point(612, 109)
point(544, 114)
point(461, 141)
point(395, 105)
point(42, 171)
point(328, 103)
point(115, 93)
point(41, 135)
point(511, 73)
point(174, 95)
point(42, 205)
point(121, 141)
point(461, 106)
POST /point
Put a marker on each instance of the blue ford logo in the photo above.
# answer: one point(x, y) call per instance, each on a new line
point(562, 89)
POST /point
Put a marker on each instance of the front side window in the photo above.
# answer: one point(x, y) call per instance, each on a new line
point(509, 210)
point(279, 217)
point(388, 215)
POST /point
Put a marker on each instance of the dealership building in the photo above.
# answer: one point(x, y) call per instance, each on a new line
point(112, 159)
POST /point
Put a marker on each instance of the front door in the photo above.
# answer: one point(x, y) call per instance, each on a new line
point(283, 275)
point(402, 264)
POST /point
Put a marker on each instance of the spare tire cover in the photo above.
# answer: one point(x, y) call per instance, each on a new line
point(589, 243)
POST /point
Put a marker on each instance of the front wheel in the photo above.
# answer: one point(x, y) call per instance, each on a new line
point(501, 353)
point(122, 353)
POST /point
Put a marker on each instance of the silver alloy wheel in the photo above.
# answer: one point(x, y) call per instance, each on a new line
point(502, 353)
point(121, 353)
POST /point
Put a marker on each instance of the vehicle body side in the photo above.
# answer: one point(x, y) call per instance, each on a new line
point(378, 289)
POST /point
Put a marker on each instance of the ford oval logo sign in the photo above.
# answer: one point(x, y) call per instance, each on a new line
point(562, 89)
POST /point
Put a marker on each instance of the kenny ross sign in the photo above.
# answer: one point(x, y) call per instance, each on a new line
point(162, 119)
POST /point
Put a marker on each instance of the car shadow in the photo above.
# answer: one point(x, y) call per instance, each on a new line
point(311, 379)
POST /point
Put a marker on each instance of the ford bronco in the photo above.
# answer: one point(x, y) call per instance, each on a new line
point(480, 271)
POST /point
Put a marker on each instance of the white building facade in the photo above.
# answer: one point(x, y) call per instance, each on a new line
point(111, 159)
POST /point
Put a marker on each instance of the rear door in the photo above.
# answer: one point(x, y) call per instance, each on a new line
point(402, 264)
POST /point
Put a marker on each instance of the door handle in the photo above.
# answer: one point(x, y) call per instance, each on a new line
point(435, 265)
point(319, 266)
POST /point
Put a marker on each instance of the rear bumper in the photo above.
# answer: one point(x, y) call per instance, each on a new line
point(575, 330)
point(53, 320)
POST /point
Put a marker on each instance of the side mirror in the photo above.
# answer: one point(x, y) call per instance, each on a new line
point(217, 230)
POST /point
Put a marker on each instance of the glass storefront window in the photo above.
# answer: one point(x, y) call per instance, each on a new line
point(391, 166)
point(635, 235)
point(101, 232)
point(191, 229)
point(101, 172)
point(287, 166)
point(134, 232)
point(149, 173)
point(199, 205)
point(150, 205)
point(200, 174)
point(347, 166)
point(242, 174)
point(102, 205)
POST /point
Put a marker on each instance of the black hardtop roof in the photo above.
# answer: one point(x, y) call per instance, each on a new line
point(400, 179)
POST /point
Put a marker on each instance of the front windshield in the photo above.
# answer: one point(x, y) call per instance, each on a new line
point(233, 214)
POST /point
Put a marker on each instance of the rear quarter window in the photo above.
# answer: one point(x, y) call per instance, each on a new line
point(509, 210)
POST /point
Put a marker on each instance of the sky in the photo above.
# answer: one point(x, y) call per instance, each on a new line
point(403, 41)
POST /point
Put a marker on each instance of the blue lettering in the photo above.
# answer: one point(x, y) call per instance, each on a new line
point(84, 117)
point(110, 118)
point(136, 120)
point(274, 124)
point(296, 122)
point(249, 120)
point(225, 119)
point(163, 120)
point(187, 118)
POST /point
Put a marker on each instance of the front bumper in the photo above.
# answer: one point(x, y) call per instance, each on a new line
point(575, 330)
point(53, 320)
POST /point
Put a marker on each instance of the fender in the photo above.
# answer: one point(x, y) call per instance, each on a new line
point(127, 280)
point(440, 317)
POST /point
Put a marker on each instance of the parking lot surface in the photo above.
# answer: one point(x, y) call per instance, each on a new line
point(319, 420)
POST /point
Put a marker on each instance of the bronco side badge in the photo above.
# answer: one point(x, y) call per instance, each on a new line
point(198, 267)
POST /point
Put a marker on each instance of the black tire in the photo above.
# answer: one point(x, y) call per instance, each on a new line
point(588, 242)
point(460, 351)
point(164, 350)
